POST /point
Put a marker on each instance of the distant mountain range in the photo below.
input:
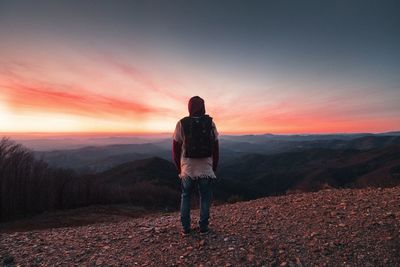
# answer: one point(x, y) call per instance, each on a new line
point(74, 142)
point(93, 159)
point(272, 146)
point(64, 142)
point(255, 175)
point(100, 158)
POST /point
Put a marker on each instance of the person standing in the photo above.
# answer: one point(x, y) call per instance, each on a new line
point(195, 154)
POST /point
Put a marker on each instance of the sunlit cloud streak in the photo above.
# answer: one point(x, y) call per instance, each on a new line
point(26, 98)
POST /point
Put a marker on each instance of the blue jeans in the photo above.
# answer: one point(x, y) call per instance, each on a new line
point(205, 191)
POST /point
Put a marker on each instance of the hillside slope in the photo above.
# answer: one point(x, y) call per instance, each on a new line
point(332, 227)
point(99, 158)
point(257, 175)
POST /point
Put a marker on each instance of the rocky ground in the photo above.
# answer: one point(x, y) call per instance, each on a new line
point(327, 228)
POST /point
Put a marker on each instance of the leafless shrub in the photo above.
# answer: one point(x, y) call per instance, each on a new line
point(29, 186)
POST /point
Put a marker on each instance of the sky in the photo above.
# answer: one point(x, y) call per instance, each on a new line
point(261, 66)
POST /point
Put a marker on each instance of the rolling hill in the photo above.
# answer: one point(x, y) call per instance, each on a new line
point(258, 175)
point(99, 158)
point(154, 170)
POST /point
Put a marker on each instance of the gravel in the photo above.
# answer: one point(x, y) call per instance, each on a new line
point(348, 227)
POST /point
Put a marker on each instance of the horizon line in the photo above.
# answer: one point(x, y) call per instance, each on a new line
point(4, 134)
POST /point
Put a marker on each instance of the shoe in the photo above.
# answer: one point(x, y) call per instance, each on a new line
point(204, 231)
point(185, 232)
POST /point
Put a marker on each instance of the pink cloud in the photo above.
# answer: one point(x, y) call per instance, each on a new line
point(25, 98)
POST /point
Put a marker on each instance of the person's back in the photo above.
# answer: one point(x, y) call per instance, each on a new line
point(196, 154)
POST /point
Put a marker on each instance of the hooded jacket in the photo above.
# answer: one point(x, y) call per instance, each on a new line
point(196, 108)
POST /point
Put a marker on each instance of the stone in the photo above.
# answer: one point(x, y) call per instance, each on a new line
point(250, 257)
point(8, 260)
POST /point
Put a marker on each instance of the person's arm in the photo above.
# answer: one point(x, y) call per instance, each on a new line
point(177, 146)
point(215, 155)
point(176, 154)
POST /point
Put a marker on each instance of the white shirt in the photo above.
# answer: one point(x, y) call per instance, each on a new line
point(194, 167)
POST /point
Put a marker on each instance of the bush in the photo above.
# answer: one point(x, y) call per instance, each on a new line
point(29, 186)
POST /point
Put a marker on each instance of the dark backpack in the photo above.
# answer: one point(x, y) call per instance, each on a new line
point(199, 136)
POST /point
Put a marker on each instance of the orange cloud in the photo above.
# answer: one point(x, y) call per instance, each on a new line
point(25, 98)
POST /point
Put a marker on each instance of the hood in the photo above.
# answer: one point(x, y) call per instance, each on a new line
point(196, 106)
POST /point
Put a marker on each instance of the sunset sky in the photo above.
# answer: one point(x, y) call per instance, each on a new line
point(261, 66)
